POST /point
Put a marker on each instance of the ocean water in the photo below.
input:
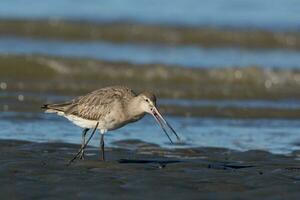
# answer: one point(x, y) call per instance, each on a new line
point(273, 135)
point(269, 134)
point(184, 56)
point(266, 14)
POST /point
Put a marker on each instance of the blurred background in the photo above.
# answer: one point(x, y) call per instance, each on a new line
point(226, 72)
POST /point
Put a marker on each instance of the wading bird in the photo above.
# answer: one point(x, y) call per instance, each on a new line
point(107, 109)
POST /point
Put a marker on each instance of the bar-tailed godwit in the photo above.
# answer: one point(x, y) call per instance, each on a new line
point(107, 109)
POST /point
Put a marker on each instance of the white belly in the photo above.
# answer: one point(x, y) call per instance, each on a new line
point(84, 123)
point(110, 122)
point(104, 125)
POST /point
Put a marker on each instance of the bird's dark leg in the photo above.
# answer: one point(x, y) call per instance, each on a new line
point(76, 156)
point(84, 132)
point(102, 147)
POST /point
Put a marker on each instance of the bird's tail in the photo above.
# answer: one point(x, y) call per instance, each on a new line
point(55, 108)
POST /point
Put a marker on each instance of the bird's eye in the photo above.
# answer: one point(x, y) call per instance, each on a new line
point(147, 100)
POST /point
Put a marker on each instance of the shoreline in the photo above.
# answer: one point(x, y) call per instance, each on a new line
point(210, 173)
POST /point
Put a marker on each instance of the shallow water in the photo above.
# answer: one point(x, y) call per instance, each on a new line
point(267, 14)
point(185, 56)
point(274, 135)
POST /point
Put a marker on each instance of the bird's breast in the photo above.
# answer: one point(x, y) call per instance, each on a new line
point(117, 120)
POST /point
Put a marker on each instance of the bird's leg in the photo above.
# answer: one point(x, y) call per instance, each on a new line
point(84, 132)
point(102, 147)
point(76, 156)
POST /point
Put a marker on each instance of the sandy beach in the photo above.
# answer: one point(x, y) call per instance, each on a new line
point(145, 171)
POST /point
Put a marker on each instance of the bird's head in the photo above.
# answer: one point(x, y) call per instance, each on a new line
point(147, 101)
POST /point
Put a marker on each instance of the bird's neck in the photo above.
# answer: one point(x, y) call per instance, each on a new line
point(133, 108)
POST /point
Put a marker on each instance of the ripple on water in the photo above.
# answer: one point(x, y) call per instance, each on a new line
point(274, 135)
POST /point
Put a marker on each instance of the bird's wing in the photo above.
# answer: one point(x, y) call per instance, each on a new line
point(99, 103)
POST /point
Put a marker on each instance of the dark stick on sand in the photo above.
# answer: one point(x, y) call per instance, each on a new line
point(84, 146)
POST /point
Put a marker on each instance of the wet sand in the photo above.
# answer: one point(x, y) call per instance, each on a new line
point(136, 170)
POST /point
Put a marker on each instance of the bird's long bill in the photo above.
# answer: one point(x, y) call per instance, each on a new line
point(163, 123)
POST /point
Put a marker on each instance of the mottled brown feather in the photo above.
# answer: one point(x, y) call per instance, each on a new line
point(97, 104)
